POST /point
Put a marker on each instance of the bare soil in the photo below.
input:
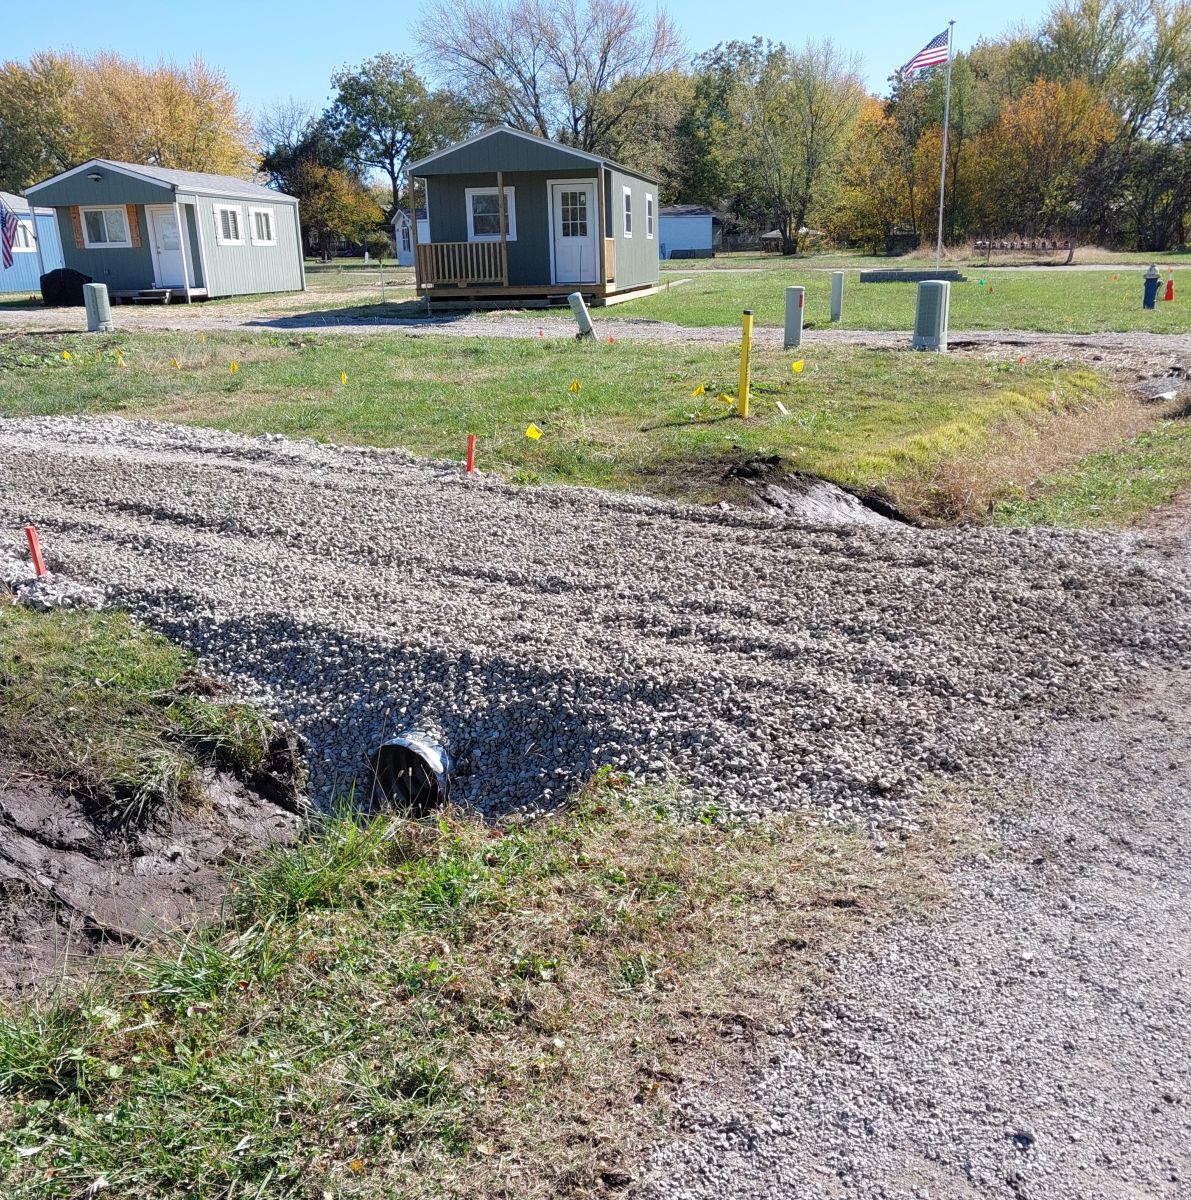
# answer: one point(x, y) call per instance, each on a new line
point(73, 886)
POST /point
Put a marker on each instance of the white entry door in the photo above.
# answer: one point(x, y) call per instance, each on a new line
point(575, 229)
point(168, 264)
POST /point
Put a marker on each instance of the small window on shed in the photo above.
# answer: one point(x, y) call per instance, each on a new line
point(628, 212)
point(23, 242)
point(405, 240)
point(104, 227)
point(649, 214)
point(483, 214)
point(227, 225)
point(263, 233)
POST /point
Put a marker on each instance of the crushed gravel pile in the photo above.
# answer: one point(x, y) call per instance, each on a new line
point(545, 632)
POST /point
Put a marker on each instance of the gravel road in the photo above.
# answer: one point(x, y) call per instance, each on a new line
point(543, 632)
point(1030, 1045)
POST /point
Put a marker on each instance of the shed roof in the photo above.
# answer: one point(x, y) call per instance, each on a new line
point(503, 148)
point(685, 210)
point(178, 181)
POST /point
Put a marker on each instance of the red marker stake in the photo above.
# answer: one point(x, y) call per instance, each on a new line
point(471, 453)
point(35, 550)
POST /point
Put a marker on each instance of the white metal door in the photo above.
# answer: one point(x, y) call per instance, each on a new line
point(575, 221)
point(167, 247)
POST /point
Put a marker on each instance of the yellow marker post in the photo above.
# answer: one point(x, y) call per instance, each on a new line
point(746, 346)
point(533, 433)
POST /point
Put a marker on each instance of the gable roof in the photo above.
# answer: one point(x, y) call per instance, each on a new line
point(16, 204)
point(685, 210)
point(179, 181)
point(403, 215)
point(560, 156)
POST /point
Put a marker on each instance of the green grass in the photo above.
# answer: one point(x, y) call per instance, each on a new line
point(868, 419)
point(1110, 489)
point(99, 705)
point(1043, 301)
point(452, 1010)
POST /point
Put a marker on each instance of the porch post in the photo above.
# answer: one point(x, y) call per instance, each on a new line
point(183, 238)
point(504, 233)
point(602, 231)
point(37, 241)
point(413, 238)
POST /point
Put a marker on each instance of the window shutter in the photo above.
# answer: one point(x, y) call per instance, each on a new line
point(76, 220)
point(134, 226)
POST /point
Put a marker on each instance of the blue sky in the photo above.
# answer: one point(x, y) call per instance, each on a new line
point(274, 50)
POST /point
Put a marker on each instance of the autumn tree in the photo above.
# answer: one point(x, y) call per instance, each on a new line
point(791, 115)
point(873, 198)
point(333, 204)
point(580, 71)
point(39, 135)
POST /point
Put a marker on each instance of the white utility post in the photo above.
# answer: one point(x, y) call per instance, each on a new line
point(837, 295)
point(795, 296)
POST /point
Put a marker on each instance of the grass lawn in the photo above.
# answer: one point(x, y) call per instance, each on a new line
point(1112, 488)
point(868, 419)
point(1045, 301)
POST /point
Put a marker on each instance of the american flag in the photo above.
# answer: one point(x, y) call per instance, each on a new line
point(8, 234)
point(933, 54)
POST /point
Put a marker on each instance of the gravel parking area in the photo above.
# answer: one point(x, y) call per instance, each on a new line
point(544, 632)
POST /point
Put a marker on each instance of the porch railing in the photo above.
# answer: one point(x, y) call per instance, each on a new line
point(462, 264)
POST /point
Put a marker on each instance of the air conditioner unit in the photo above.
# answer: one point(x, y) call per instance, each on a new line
point(930, 316)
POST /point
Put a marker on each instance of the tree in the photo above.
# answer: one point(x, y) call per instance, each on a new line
point(58, 111)
point(580, 71)
point(334, 205)
point(792, 115)
point(873, 201)
point(384, 116)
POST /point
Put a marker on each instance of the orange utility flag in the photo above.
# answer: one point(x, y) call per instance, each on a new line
point(698, 391)
point(533, 433)
point(796, 367)
point(611, 339)
point(575, 386)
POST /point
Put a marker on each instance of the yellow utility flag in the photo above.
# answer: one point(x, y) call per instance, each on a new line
point(533, 433)
point(796, 367)
point(66, 355)
point(575, 386)
point(235, 366)
point(698, 391)
point(724, 398)
point(343, 378)
point(202, 337)
point(174, 363)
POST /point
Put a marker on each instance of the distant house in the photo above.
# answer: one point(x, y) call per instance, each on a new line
point(516, 219)
point(161, 234)
point(771, 242)
point(403, 235)
point(35, 250)
point(688, 231)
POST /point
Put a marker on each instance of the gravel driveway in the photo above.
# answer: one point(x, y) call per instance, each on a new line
point(544, 632)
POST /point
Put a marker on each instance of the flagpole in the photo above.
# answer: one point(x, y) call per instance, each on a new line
point(943, 167)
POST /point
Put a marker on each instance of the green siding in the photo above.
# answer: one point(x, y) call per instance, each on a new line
point(244, 270)
point(529, 255)
point(111, 189)
point(122, 268)
point(512, 154)
point(636, 257)
point(194, 254)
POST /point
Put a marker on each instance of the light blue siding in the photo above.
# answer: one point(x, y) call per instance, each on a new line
point(686, 232)
point(24, 275)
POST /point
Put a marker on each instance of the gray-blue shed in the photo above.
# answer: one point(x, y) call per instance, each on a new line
point(516, 219)
point(158, 233)
point(35, 250)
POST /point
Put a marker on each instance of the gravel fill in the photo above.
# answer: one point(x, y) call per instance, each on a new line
point(543, 632)
point(1032, 1044)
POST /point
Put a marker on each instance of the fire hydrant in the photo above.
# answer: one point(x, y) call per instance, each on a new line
point(1153, 278)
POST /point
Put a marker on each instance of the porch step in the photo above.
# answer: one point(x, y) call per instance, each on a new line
point(152, 296)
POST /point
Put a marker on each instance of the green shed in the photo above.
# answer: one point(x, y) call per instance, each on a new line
point(516, 220)
point(153, 233)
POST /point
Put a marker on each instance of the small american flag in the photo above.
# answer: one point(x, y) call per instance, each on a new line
point(933, 54)
point(8, 234)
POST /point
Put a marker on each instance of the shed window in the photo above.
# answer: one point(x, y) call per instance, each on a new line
point(483, 214)
point(228, 231)
point(406, 244)
point(649, 214)
point(628, 212)
point(23, 242)
point(263, 233)
point(104, 227)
